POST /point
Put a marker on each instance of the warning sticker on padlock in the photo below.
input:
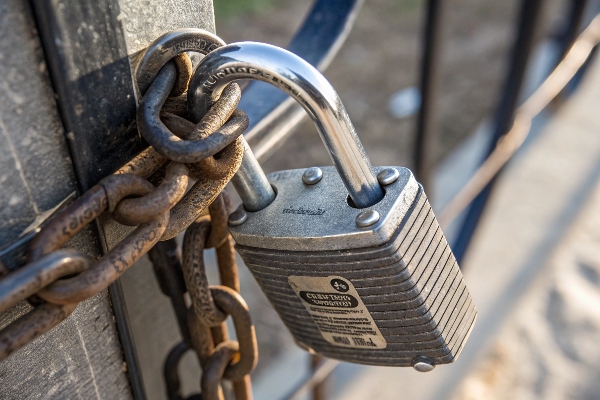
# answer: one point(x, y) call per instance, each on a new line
point(338, 311)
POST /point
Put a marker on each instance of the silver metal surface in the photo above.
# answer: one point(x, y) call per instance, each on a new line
point(318, 217)
point(303, 82)
point(367, 218)
point(237, 217)
point(411, 286)
point(312, 175)
point(423, 364)
point(388, 176)
point(251, 183)
point(274, 115)
point(168, 46)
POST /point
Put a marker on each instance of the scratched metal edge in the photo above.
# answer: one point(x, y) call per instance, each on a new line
point(89, 141)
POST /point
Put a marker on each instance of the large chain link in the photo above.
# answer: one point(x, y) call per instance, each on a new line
point(56, 280)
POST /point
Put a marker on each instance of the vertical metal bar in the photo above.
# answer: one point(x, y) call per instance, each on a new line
point(572, 25)
point(529, 19)
point(317, 375)
point(115, 291)
point(319, 390)
point(166, 264)
point(428, 118)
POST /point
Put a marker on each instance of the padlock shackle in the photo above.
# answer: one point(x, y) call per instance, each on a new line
point(304, 83)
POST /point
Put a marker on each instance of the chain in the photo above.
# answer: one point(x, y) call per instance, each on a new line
point(151, 193)
point(202, 324)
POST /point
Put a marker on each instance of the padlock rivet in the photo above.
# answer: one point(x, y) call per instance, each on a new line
point(388, 176)
point(237, 217)
point(367, 218)
point(423, 364)
point(312, 175)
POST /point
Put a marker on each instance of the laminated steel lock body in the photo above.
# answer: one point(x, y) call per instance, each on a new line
point(356, 266)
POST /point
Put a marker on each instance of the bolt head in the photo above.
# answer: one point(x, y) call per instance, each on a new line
point(423, 364)
point(237, 217)
point(312, 175)
point(388, 176)
point(367, 218)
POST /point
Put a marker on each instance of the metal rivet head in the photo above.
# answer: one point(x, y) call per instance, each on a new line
point(423, 364)
point(367, 218)
point(237, 217)
point(312, 175)
point(388, 176)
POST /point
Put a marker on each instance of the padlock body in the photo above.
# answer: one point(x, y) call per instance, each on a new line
point(387, 294)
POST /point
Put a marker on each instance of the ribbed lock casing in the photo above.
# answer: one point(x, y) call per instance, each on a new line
point(398, 302)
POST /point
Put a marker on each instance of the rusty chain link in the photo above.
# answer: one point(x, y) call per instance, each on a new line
point(202, 324)
point(217, 133)
point(56, 280)
point(21, 284)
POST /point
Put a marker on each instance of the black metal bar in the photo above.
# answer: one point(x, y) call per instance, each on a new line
point(90, 72)
point(572, 25)
point(425, 150)
point(320, 389)
point(91, 75)
point(529, 19)
point(134, 372)
point(318, 375)
point(166, 264)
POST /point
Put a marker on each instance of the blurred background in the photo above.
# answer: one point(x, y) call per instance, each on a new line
point(382, 56)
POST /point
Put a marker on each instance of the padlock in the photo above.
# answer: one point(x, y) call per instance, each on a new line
point(351, 257)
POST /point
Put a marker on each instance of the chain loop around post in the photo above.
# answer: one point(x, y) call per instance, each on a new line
point(213, 148)
point(209, 152)
point(139, 210)
point(166, 142)
point(102, 197)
